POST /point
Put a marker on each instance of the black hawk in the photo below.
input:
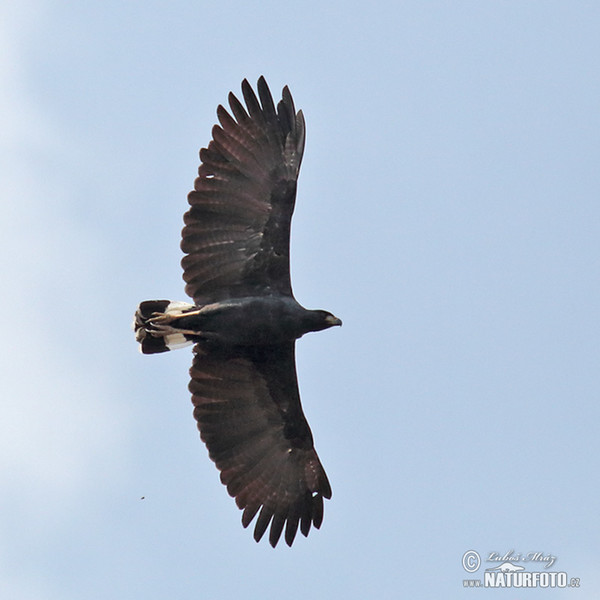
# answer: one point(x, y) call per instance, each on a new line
point(245, 320)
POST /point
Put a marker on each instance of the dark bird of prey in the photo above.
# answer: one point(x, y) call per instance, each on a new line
point(245, 320)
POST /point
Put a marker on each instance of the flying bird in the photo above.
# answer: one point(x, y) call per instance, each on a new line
point(244, 321)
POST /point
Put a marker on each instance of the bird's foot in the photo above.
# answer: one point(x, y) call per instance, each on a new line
point(161, 324)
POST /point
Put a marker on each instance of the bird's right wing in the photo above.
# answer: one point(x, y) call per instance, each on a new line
point(237, 230)
point(249, 415)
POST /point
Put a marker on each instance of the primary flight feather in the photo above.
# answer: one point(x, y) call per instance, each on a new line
point(245, 320)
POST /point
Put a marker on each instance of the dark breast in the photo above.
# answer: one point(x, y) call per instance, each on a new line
point(253, 321)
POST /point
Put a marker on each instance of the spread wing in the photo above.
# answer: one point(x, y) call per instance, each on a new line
point(237, 230)
point(249, 415)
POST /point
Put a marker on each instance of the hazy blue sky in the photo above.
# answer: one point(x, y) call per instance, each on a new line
point(448, 212)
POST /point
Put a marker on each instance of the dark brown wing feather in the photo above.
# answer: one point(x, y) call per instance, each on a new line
point(248, 410)
point(237, 230)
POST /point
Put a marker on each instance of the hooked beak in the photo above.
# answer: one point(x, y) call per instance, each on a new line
point(331, 320)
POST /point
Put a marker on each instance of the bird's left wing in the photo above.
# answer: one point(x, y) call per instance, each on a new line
point(249, 415)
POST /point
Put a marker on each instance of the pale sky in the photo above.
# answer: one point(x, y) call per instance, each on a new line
point(448, 211)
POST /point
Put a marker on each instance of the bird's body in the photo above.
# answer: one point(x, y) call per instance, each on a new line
point(245, 320)
point(251, 321)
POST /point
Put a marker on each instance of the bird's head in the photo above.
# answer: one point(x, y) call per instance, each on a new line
point(321, 319)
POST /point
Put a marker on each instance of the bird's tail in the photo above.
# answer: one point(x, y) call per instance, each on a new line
point(153, 329)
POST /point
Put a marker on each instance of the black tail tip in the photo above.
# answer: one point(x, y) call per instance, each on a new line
point(153, 339)
point(149, 344)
